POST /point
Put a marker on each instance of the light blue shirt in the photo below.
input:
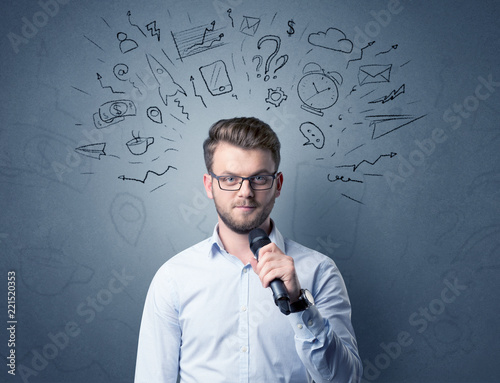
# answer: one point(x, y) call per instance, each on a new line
point(208, 319)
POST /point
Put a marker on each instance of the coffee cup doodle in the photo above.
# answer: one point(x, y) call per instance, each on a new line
point(139, 145)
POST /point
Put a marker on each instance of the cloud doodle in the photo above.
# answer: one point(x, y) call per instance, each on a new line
point(333, 39)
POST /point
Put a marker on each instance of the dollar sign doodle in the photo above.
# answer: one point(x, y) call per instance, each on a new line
point(290, 31)
point(117, 110)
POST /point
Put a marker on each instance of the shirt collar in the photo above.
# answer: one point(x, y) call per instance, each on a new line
point(217, 245)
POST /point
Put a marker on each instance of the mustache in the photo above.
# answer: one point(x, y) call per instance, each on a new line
point(247, 204)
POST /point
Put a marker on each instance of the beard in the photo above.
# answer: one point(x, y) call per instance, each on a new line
point(261, 212)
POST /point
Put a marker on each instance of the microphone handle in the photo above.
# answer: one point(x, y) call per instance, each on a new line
point(280, 294)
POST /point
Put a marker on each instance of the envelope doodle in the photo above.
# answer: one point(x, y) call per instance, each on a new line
point(372, 74)
point(249, 25)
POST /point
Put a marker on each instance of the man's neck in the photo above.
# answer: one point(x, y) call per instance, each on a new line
point(237, 244)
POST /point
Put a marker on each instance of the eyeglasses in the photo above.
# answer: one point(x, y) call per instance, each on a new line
point(233, 183)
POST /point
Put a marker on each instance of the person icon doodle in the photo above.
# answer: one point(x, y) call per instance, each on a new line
point(126, 44)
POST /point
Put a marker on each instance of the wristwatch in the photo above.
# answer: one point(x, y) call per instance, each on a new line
point(305, 301)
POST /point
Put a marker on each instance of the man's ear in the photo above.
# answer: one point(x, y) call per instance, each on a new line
point(207, 182)
point(279, 183)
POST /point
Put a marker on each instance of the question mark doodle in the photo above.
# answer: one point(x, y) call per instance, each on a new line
point(277, 42)
point(259, 64)
point(284, 58)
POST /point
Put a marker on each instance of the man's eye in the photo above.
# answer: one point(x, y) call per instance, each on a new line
point(259, 179)
point(228, 179)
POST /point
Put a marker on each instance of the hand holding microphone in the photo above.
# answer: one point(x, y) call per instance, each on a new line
point(258, 239)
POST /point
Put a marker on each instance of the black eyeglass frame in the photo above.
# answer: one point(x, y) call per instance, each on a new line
point(246, 178)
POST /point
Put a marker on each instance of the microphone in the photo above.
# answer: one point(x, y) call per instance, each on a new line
point(258, 238)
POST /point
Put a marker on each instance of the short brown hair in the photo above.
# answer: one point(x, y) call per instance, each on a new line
point(244, 132)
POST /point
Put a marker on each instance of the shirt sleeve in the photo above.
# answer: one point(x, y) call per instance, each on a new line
point(324, 337)
point(160, 334)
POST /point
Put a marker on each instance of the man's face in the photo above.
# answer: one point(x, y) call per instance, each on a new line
point(245, 209)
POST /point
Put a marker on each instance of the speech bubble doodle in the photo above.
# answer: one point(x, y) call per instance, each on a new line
point(313, 134)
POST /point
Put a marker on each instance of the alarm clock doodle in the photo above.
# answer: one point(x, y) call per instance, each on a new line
point(318, 89)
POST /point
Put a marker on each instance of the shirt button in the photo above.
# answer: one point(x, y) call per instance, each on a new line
point(300, 326)
point(244, 349)
point(310, 323)
point(245, 271)
point(243, 308)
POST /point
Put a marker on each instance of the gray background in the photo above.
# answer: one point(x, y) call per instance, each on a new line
point(402, 228)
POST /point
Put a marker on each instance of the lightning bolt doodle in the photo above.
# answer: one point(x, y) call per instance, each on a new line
point(154, 31)
point(354, 167)
point(391, 96)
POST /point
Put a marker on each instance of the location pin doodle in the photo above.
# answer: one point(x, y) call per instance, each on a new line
point(154, 114)
point(128, 215)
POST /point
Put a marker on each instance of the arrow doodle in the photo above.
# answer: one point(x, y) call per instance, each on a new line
point(134, 25)
point(99, 78)
point(354, 167)
point(395, 46)
point(123, 178)
point(361, 56)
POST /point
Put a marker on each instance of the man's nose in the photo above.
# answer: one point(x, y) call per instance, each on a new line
point(246, 189)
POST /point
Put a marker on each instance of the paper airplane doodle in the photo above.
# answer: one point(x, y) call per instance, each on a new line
point(92, 150)
point(388, 123)
point(167, 86)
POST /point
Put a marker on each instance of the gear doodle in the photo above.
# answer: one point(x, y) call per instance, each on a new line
point(275, 96)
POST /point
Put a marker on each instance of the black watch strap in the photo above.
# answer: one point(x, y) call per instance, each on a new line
point(302, 304)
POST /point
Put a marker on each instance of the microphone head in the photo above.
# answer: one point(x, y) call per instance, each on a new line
point(257, 239)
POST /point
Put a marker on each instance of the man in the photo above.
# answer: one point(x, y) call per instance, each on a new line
point(209, 318)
